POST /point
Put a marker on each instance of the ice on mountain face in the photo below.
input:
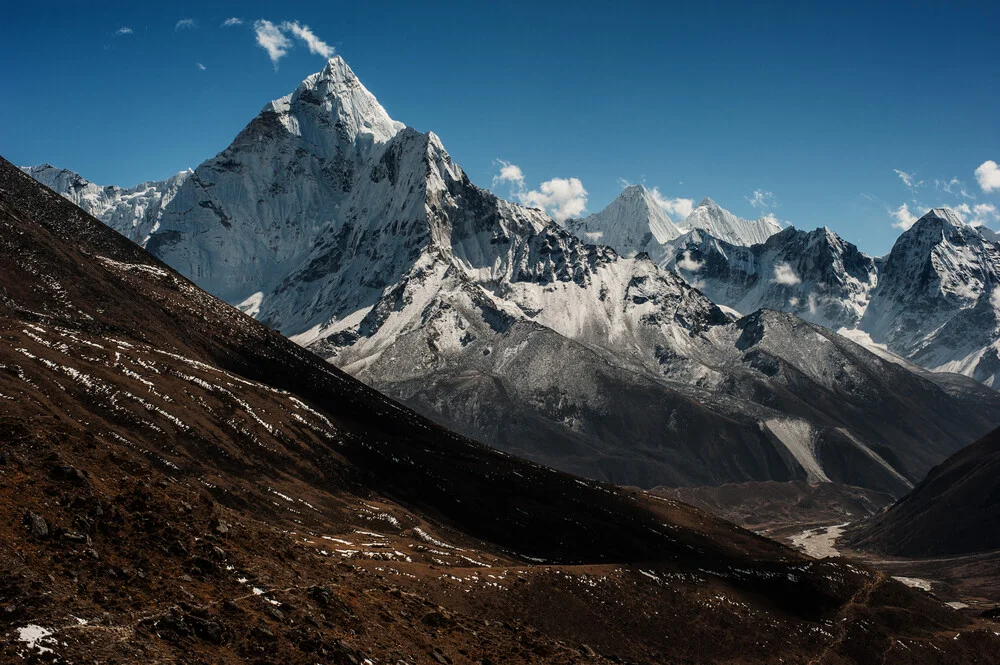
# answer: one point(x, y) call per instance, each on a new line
point(134, 212)
point(724, 225)
point(634, 222)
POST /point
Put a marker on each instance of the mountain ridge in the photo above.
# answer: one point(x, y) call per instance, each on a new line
point(371, 247)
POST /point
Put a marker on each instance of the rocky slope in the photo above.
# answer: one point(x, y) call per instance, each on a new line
point(954, 511)
point(362, 240)
point(180, 483)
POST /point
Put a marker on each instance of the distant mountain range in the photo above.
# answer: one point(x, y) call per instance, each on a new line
point(362, 240)
point(932, 300)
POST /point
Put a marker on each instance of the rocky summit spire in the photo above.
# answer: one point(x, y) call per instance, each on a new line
point(334, 93)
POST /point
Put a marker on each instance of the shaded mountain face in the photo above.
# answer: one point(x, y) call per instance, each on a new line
point(363, 241)
point(816, 275)
point(955, 510)
point(179, 476)
point(937, 300)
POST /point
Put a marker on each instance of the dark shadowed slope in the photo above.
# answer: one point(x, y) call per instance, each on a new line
point(955, 510)
point(180, 484)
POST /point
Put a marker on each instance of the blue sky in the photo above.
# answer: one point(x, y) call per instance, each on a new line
point(817, 104)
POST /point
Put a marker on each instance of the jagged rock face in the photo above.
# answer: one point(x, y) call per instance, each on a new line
point(816, 275)
point(936, 302)
point(135, 213)
point(363, 241)
point(634, 222)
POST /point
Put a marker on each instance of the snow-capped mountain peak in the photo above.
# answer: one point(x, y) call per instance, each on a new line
point(724, 225)
point(633, 222)
point(334, 94)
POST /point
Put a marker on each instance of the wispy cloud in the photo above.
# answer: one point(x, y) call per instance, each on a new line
point(980, 214)
point(784, 275)
point(124, 30)
point(679, 207)
point(185, 24)
point(275, 39)
point(955, 187)
point(509, 174)
point(315, 44)
point(562, 198)
point(988, 176)
point(761, 199)
point(230, 22)
point(689, 264)
point(910, 180)
point(271, 39)
point(200, 66)
point(904, 219)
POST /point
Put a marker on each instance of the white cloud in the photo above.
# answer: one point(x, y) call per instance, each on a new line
point(955, 187)
point(995, 298)
point(904, 218)
point(812, 303)
point(274, 39)
point(315, 44)
point(794, 302)
point(562, 198)
point(909, 179)
point(594, 237)
point(230, 22)
point(200, 66)
point(185, 24)
point(689, 264)
point(770, 217)
point(988, 175)
point(680, 207)
point(271, 39)
point(783, 274)
point(981, 213)
point(761, 199)
point(509, 173)
point(124, 30)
